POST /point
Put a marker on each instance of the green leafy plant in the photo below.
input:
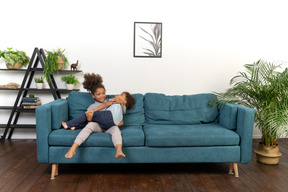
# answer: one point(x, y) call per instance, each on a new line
point(71, 79)
point(10, 56)
point(265, 90)
point(39, 79)
point(155, 41)
point(53, 62)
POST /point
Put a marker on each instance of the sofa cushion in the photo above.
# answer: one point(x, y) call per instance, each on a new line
point(179, 110)
point(189, 135)
point(132, 136)
point(78, 102)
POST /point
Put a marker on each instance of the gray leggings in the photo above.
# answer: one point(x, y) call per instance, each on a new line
point(94, 127)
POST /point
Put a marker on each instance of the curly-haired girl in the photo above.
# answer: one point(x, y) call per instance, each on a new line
point(93, 83)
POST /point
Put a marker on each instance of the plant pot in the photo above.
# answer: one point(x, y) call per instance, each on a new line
point(16, 65)
point(268, 155)
point(69, 86)
point(39, 85)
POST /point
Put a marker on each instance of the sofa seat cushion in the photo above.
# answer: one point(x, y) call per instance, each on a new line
point(132, 136)
point(189, 135)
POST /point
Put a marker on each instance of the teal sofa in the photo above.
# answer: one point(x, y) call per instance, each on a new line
point(158, 129)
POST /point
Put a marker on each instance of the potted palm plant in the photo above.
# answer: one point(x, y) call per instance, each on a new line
point(39, 82)
point(14, 59)
point(55, 61)
point(70, 81)
point(265, 90)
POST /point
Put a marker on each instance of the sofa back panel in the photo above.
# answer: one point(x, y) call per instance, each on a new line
point(179, 110)
point(78, 102)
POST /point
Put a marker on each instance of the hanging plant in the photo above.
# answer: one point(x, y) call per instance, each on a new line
point(54, 62)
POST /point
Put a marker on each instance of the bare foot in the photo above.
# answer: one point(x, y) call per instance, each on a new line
point(119, 154)
point(72, 128)
point(64, 125)
point(70, 154)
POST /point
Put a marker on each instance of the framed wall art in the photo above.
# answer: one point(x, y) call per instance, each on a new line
point(148, 39)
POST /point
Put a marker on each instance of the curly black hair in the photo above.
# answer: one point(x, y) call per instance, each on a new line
point(130, 100)
point(92, 82)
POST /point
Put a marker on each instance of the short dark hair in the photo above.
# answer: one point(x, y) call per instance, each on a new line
point(130, 100)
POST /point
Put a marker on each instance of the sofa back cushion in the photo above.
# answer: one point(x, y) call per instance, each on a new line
point(78, 102)
point(179, 110)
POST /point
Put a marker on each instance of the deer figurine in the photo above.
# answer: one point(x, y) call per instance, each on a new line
point(74, 66)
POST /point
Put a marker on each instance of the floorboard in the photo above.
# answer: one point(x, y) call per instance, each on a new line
point(20, 171)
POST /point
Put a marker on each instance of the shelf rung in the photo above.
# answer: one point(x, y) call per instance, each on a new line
point(25, 126)
point(6, 107)
point(18, 109)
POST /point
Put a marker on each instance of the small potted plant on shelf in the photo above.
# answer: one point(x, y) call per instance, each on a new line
point(70, 81)
point(14, 59)
point(39, 82)
point(55, 61)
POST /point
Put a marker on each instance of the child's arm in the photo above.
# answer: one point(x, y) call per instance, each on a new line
point(89, 114)
point(104, 105)
point(120, 124)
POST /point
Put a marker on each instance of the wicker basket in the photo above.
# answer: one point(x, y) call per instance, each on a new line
point(60, 63)
point(16, 65)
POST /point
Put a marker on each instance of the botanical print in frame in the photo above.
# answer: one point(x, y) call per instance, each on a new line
point(147, 39)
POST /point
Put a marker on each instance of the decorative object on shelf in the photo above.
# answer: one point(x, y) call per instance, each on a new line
point(74, 66)
point(147, 39)
point(30, 102)
point(39, 82)
point(55, 61)
point(70, 81)
point(10, 85)
point(264, 89)
point(14, 59)
point(38, 58)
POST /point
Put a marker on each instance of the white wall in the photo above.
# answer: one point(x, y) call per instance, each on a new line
point(205, 43)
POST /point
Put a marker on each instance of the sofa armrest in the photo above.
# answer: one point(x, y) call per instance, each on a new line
point(241, 119)
point(47, 119)
point(245, 125)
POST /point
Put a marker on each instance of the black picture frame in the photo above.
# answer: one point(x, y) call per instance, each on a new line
point(148, 39)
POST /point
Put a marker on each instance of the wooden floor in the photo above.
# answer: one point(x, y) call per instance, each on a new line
point(20, 171)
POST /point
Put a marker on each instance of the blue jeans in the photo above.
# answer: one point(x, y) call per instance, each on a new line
point(103, 118)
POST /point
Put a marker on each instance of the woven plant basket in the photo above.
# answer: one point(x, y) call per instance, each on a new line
point(16, 65)
point(60, 62)
point(268, 155)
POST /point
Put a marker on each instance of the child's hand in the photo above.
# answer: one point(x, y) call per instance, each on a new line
point(89, 115)
point(118, 100)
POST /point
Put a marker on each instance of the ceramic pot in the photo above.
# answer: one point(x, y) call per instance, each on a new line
point(69, 86)
point(39, 85)
point(16, 65)
point(268, 155)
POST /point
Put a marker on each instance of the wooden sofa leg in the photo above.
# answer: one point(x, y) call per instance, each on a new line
point(56, 172)
point(230, 168)
point(54, 169)
point(233, 167)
